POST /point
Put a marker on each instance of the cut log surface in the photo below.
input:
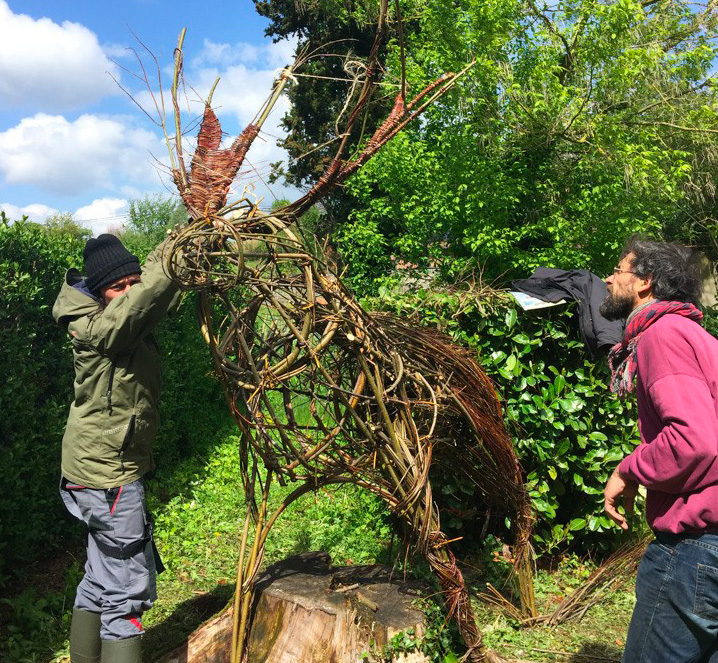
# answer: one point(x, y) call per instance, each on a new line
point(307, 611)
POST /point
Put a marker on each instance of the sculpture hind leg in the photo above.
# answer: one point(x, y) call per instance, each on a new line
point(457, 599)
point(407, 491)
point(428, 539)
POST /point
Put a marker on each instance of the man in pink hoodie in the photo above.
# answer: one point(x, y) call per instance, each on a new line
point(674, 364)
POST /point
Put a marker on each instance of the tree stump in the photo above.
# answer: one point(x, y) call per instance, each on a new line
point(307, 611)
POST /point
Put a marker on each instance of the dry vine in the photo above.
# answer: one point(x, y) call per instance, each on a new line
point(323, 391)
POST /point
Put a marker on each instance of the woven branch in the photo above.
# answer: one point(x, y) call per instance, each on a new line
point(322, 391)
point(325, 392)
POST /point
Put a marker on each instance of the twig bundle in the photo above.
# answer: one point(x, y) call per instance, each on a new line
point(609, 577)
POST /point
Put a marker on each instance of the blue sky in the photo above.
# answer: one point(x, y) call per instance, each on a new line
point(72, 141)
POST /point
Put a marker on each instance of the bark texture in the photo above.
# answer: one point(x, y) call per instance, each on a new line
point(307, 611)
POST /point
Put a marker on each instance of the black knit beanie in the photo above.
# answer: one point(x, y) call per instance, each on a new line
point(107, 260)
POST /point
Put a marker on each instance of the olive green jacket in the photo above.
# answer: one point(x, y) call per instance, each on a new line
point(113, 419)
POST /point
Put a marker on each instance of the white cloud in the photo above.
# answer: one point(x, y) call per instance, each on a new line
point(241, 91)
point(246, 75)
point(266, 55)
point(103, 214)
point(70, 158)
point(281, 53)
point(117, 51)
point(35, 212)
point(213, 53)
point(51, 66)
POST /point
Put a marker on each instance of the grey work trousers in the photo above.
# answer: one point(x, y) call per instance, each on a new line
point(120, 575)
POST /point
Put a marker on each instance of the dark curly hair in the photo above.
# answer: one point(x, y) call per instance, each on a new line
point(674, 269)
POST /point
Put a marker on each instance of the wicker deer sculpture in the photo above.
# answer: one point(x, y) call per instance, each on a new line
point(323, 391)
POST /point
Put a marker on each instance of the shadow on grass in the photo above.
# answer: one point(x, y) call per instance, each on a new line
point(594, 651)
point(186, 617)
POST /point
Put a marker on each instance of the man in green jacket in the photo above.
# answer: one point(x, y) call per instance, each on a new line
point(107, 446)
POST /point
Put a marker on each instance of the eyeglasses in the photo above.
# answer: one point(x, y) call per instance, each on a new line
point(618, 270)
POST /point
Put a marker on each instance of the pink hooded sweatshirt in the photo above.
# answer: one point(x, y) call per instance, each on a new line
point(677, 460)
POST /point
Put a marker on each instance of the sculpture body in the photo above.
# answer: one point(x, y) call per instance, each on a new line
point(326, 393)
point(323, 391)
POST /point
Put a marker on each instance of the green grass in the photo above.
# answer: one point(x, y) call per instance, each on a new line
point(199, 511)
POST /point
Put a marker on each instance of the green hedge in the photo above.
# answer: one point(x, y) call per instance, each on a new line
point(569, 430)
point(36, 391)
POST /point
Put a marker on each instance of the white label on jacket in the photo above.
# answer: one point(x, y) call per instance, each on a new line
point(117, 429)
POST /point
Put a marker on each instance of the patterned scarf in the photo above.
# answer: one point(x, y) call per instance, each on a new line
point(622, 357)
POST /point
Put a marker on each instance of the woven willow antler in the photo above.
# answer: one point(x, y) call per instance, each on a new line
point(324, 392)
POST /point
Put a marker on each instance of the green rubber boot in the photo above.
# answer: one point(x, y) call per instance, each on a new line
point(85, 637)
point(128, 650)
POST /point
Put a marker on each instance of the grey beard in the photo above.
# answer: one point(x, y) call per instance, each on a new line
point(616, 308)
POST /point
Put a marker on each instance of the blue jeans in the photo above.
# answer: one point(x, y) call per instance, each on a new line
point(676, 615)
